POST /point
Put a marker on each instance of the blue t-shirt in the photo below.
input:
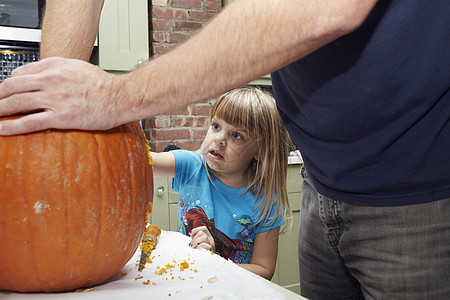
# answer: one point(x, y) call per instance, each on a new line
point(227, 212)
point(370, 112)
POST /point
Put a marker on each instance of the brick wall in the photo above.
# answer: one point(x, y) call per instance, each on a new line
point(173, 22)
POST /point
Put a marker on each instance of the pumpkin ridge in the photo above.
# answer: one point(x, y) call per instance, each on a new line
point(73, 205)
point(30, 243)
point(66, 216)
point(100, 214)
point(133, 209)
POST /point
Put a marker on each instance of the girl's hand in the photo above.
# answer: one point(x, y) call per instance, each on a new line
point(201, 237)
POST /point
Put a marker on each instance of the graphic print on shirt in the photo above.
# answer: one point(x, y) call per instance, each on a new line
point(235, 249)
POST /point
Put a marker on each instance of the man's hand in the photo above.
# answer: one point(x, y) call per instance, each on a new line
point(58, 93)
point(201, 237)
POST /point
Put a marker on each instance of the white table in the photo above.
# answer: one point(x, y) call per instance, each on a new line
point(207, 276)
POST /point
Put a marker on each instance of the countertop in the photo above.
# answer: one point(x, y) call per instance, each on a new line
point(176, 272)
point(295, 158)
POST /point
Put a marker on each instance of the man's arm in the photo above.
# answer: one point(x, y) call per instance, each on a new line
point(69, 28)
point(248, 39)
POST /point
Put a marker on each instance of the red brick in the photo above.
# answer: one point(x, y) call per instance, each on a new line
point(215, 5)
point(149, 122)
point(160, 25)
point(201, 16)
point(158, 36)
point(188, 121)
point(170, 134)
point(159, 49)
point(199, 134)
point(179, 38)
point(189, 145)
point(190, 4)
point(203, 122)
point(159, 122)
point(201, 110)
point(159, 2)
point(159, 146)
point(187, 26)
point(170, 37)
point(182, 121)
point(169, 13)
point(167, 37)
point(155, 122)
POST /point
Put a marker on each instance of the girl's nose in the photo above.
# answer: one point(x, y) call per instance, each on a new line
point(220, 140)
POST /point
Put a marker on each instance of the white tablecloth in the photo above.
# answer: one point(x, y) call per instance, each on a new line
point(208, 276)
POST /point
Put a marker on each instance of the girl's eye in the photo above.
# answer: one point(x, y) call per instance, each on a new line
point(215, 126)
point(237, 136)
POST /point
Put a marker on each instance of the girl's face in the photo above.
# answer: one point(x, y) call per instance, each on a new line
point(227, 149)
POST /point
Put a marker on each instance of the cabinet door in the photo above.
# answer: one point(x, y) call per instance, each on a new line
point(288, 273)
point(123, 34)
point(173, 215)
point(160, 215)
point(173, 207)
point(287, 270)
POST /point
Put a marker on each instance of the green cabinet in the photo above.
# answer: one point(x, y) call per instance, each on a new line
point(123, 37)
point(165, 204)
point(286, 273)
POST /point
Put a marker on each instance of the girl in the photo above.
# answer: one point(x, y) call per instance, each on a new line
point(232, 192)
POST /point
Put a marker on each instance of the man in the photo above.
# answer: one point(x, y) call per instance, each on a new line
point(363, 88)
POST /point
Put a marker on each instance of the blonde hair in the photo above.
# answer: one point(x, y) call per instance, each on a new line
point(256, 111)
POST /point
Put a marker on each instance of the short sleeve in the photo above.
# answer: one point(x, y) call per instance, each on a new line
point(187, 165)
point(268, 225)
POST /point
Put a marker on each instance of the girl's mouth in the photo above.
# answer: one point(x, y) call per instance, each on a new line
point(215, 154)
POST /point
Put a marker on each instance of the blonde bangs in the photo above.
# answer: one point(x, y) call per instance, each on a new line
point(235, 111)
point(242, 108)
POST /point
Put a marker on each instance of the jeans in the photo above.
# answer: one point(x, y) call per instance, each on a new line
point(357, 252)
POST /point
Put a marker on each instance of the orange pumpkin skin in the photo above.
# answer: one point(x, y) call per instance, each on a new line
point(72, 206)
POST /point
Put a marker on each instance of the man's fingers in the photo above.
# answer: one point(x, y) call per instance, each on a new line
point(28, 123)
point(60, 93)
point(39, 66)
point(21, 103)
point(31, 68)
point(30, 77)
point(15, 85)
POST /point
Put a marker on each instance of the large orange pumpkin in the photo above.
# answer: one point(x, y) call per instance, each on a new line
point(72, 206)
